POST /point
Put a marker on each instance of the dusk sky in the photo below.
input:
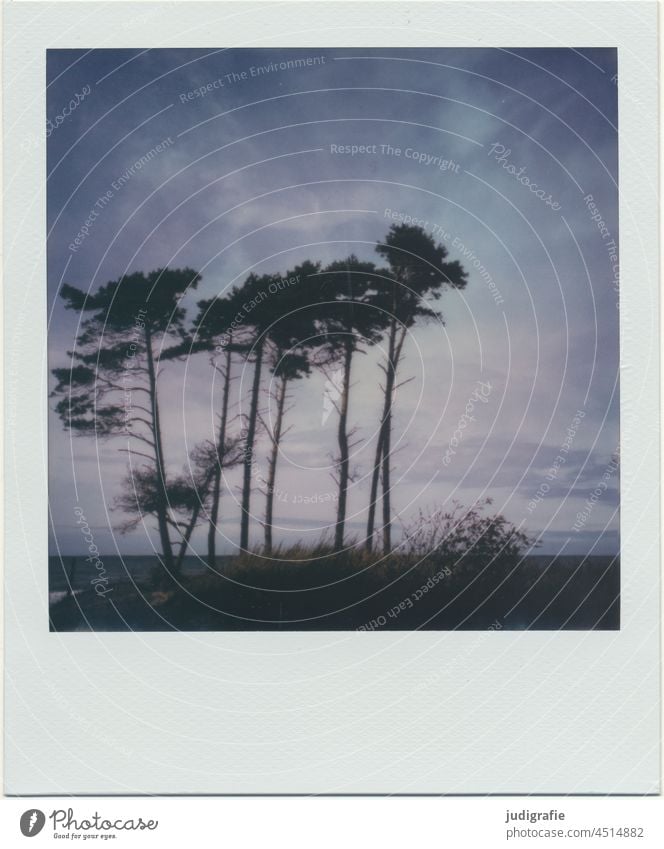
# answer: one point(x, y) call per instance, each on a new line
point(252, 173)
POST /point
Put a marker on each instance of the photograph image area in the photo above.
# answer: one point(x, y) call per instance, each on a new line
point(333, 339)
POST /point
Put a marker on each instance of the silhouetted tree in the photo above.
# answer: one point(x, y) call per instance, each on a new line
point(259, 320)
point(132, 324)
point(263, 315)
point(292, 335)
point(286, 368)
point(350, 320)
point(214, 457)
point(214, 331)
point(223, 451)
point(236, 323)
point(187, 496)
point(417, 270)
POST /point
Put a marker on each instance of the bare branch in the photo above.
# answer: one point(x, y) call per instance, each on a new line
point(141, 438)
point(133, 453)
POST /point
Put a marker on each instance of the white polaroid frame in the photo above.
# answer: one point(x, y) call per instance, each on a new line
point(334, 713)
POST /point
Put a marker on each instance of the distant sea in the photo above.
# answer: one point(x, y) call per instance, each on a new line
point(74, 573)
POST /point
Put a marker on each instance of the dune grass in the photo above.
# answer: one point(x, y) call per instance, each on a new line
point(460, 569)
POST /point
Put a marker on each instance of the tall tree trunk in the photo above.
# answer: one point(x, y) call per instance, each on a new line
point(344, 459)
point(387, 517)
point(272, 462)
point(162, 500)
point(216, 480)
point(373, 497)
point(380, 445)
point(249, 448)
point(385, 423)
point(395, 348)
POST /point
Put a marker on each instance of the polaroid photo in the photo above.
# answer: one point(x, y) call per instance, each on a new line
point(332, 398)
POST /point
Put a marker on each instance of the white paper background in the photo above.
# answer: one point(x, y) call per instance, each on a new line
point(329, 713)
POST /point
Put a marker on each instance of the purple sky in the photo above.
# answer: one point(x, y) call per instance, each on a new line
point(251, 176)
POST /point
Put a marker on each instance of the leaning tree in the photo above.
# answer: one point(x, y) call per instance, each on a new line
point(349, 319)
point(291, 337)
point(111, 386)
point(187, 496)
point(263, 319)
point(214, 331)
point(418, 270)
point(286, 367)
point(257, 318)
point(236, 324)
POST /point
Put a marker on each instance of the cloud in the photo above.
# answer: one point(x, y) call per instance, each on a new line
point(251, 182)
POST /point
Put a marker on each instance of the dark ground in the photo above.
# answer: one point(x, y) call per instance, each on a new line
point(541, 593)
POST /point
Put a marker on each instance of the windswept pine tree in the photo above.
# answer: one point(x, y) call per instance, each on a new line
point(237, 324)
point(268, 316)
point(130, 326)
point(418, 271)
point(292, 337)
point(350, 320)
point(214, 332)
point(187, 495)
point(290, 323)
point(287, 366)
